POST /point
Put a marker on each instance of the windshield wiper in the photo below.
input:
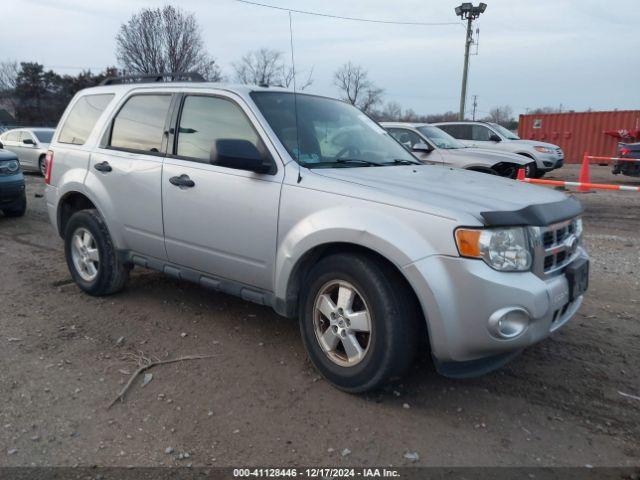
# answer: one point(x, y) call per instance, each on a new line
point(342, 163)
point(401, 161)
point(357, 161)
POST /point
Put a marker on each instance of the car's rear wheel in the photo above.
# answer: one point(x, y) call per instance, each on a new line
point(358, 321)
point(91, 256)
point(42, 165)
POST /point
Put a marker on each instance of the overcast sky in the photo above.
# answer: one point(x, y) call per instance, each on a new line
point(534, 53)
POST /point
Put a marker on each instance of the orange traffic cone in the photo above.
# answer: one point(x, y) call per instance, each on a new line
point(521, 175)
point(585, 176)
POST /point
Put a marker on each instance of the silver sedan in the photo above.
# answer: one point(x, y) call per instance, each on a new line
point(30, 145)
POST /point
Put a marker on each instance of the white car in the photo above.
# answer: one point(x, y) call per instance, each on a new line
point(30, 145)
point(495, 137)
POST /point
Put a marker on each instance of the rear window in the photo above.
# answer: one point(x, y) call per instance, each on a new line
point(83, 118)
point(139, 125)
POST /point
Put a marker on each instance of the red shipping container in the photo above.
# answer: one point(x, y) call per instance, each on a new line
point(579, 132)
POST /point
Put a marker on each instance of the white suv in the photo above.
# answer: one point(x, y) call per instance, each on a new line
point(305, 204)
point(495, 137)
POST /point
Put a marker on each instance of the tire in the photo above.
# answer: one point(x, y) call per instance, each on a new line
point(17, 211)
point(539, 174)
point(96, 269)
point(389, 348)
point(42, 165)
point(531, 170)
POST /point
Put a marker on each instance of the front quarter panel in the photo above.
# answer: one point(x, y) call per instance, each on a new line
point(310, 218)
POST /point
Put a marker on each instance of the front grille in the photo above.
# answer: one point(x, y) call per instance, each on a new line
point(554, 246)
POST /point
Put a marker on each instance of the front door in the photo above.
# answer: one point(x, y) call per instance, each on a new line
point(219, 220)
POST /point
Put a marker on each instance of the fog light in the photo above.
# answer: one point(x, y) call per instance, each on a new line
point(508, 322)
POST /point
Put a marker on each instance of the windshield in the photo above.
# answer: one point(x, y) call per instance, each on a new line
point(43, 136)
point(329, 133)
point(441, 138)
point(504, 132)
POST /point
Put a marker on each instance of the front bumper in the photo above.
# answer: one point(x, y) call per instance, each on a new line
point(547, 162)
point(459, 295)
point(11, 191)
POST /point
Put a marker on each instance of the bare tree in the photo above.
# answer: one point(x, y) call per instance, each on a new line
point(501, 115)
point(356, 88)
point(8, 80)
point(267, 67)
point(167, 39)
point(392, 112)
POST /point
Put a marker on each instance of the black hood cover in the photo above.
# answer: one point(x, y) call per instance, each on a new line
point(538, 215)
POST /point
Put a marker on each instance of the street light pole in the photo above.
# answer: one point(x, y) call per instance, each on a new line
point(467, 12)
point(465, 71)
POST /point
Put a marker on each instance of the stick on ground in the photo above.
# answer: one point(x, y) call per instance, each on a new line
point(146, 367)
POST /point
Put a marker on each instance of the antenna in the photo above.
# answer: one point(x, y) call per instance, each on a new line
point(295, 97)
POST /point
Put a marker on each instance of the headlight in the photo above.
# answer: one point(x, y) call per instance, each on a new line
point(12, 166)
point(544, 149)
point(504, 249)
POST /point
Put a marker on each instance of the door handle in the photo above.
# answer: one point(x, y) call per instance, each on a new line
point(103, 167)
point(182, 181)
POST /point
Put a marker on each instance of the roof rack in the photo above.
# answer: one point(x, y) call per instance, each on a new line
point(154, 77)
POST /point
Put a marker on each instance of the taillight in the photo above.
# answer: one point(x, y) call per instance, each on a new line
point(49, 164)
point(624, 152)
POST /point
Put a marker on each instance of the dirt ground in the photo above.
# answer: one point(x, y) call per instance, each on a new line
point(258, 401)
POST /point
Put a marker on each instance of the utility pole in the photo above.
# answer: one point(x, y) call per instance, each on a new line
point(468, 12)
point(475, 104)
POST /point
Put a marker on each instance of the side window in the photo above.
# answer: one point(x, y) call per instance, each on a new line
point(24, 135)
point(204, 121)
point(83, 117)
point(459, 131)
point(139, 125)
point(481, 133)
point(405, 137)
point(13, 136)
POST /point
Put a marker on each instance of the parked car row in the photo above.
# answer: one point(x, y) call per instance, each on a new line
point(30, 145)
point(434, 146)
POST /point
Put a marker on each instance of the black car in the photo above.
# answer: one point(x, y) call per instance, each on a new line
point(628, 150)
point(13, 199)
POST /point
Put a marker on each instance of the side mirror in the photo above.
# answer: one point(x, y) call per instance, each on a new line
point(240, 155)
point(494, 138)
point(421, 147)
point(28, 141)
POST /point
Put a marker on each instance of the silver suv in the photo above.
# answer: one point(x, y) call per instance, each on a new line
point(305, 204)
point(547, 156)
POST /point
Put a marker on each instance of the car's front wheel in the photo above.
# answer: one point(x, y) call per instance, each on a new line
point(91, 256)
point(358, 321)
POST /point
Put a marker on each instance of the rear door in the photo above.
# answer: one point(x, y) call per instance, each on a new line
point(225, 222)
point(28, 152)
point(461, 131)
point(126, 171)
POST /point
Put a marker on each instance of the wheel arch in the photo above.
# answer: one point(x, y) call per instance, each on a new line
point(289, 305)
point(70, 203)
